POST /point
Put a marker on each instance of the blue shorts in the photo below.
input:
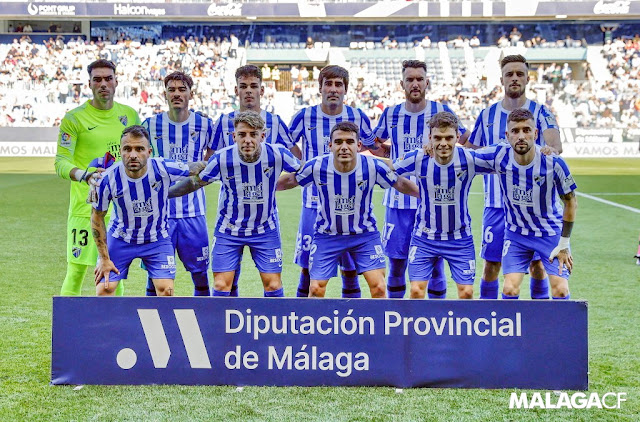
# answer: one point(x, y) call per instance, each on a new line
point(493, 232)
point(520, 250)
point(157, 257)
point(304, 240)
point(365, 249)
point(191, 240)
point(266, 251)
point(460, 254)
point(398, 227)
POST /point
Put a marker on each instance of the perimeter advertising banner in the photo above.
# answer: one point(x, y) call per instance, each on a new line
point(336, 342)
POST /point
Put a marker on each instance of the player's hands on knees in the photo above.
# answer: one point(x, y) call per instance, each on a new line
point(104, 267)
point(564, 259)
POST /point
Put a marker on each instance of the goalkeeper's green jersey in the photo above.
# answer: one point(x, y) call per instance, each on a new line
point(87, 133)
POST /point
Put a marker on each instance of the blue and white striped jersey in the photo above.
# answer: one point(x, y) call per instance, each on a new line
point(344, 200)
point(276, 132)
point(407, 131)
point(247, 203)
point(140, 206)
point(313, 126)
point(185, 142)
point(531, 193)
point(443, 213)
point(491, 128)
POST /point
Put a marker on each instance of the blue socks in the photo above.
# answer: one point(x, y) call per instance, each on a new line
point(275, 293)
point(200, 284)
point(350, 286)
point(303, 285)
point(489, 289)
point(567, 297)
point(220, 293)
point(437, 287)
point(510, 297)
point(396, 282)
point(539, 288)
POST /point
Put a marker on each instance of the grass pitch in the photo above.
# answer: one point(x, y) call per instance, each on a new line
point(33, 208)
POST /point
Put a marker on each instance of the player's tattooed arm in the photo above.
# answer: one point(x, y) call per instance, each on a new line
point(196, 167)
point(286, 181)
point(104, 266)
point(186, 186)
point(407, 187)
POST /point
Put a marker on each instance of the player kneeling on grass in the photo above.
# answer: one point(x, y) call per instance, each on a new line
point(443, 225)
point(345, 221)
point(138, 186)
point(248, 216)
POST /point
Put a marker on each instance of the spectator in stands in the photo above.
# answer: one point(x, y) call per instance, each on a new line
point(275, 74)
point(27, 28)
point(310, 43)
point(233, 47)
point(515, 36)
point(266, 72)
point(426, 42)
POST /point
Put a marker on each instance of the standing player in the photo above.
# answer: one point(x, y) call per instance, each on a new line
point(249, 90)
point(407, 126)
point(443, 224)
point(534, 188)
point(87, 132)
point(313, 126)
point(490, 129)
point(139, 189)
point(183, 136)
point(345, 222)
point(248, 216)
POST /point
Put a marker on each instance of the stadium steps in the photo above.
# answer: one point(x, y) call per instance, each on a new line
point(598, 64)
point(446, 62)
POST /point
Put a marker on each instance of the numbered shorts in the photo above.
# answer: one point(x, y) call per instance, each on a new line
point(493, 233)
point(460, 254)
point(396, 237)
point(304, 240)
point(365, 249)
point(157, 257)
point(520, 250)
point(266, 251)
point(81, 249)
point(191, 240)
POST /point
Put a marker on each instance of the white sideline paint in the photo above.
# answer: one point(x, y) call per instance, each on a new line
point(604, 201)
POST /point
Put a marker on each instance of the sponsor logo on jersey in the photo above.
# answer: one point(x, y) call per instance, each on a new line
point(65, 139)
point(444, 195)
point(344, 204)
point(521, 196)
point(91, 128)
point(142, 208)
point(252, 193)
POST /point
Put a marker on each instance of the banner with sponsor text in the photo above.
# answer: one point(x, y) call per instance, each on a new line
point(335, 342)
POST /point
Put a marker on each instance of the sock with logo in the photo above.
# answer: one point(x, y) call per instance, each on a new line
point(510, 297)
point(220, 293)
point(539, 288)
point(489, 289)
point(303, 285)
point(151, 289)
point(275, 293)
point(437, 288)
point(72, 284)
point(350, 286)
point(397, 282)
point(200, 284)
point(567, 297)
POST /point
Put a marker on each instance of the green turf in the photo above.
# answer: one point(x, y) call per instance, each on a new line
point(33, 206)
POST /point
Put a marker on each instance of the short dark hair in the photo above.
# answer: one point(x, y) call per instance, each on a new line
point(101, 63)
point(345, 126)
point(520, 115)
point(514, 58)
point(179, 76)
point(248, 71)
point(334, 71)
point(137, 131)
point(416, 64)
point(443, 119)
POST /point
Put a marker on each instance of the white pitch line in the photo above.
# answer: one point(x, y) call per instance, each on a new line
point(604, 201)
point(616, 193)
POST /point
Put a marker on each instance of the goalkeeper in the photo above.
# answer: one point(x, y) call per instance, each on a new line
point(87, 132)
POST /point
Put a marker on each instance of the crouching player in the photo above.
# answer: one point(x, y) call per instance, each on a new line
point(345, 222)
point(248, 171)
point(443, 225)
point(138, 186)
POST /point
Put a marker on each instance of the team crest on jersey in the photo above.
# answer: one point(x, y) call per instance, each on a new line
point(278, 256)
point(205, 254)
point(362, 185)
point(123, 119)
point(194, 136)
point(326, 140)
point(142, 208)
point(156, 186)
point(444, 195)
point(65, 139)
point(76, 251)
point(268, 171)
point(252, 194)
point(522, 196)
point(379, 253)
point(461, 175)
point(344, 204)
point(538, 179)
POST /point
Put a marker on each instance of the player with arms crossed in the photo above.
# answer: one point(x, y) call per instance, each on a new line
point(406, 125)
point(534, 187)
point(490, 129)
point(181, 135)
point(345, 222)
point(87, 132)
point(313, 126)
point(443, 224)
point(249, 90)
point(248, 216)
point(138, 186)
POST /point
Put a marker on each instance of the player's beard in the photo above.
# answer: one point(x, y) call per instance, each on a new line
point(250, 158)
point(415, 100)
point(516, 94)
